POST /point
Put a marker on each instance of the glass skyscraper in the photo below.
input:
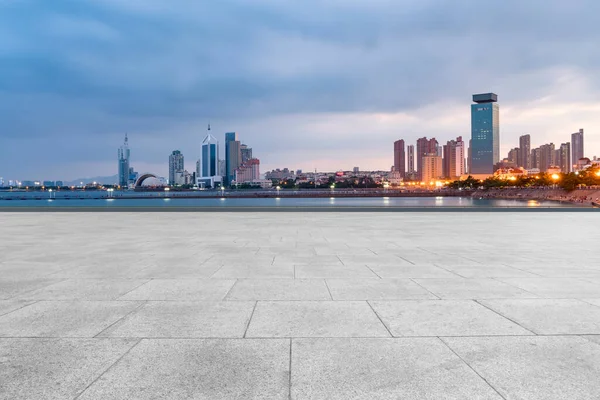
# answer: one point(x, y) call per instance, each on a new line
point(485, 133)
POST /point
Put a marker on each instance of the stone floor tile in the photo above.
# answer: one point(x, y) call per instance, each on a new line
point(55, 369)
point(84, 289)
point(415, 368)
point(557, 287)
point(333, 271)
point(64, 318)
point(443, 318)
point(10, 288)
point(7, 306)
point(198, 369)
point(262, 272)
point(550, 316)
point(176, 319)
point(315, 319)
point(411, 271)
point(477, 288)
point(279, 289)
point(377, 289)
point(181, 289)
point(534, 367)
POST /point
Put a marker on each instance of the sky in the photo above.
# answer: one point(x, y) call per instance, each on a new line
point(326, 84)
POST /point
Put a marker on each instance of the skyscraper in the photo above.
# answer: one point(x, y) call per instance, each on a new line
point(246, 153)
point(577, 146)
point(208, 168)
point(175, 168)
point(485, 133)
point(432, 167)
point(399, 157)
point(410, 149)
point(535, 158)
point(233, 156)
point(453, 162)
point(425, 147)
point(123, 159)
point(564, 160)
point(525, 151)
point(547, 157)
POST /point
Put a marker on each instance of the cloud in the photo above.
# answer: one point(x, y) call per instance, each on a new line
point(308, 83)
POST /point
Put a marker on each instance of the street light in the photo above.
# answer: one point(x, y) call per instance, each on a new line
point(222, 190)
point(332, 187)
point(50, 191)
point(110, 191)
point(555, 178)
point(167, 191)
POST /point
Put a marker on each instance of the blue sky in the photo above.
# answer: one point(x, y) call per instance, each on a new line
point(327, 84)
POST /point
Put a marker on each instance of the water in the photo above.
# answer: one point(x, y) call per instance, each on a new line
point(283, 202)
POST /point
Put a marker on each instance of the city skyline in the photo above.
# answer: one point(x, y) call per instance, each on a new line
point(89, 73)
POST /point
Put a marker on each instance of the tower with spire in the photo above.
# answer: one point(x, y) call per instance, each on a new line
point(123, 160)
point(208, 165)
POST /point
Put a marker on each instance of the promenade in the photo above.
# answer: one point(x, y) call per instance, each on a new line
point(452, 305)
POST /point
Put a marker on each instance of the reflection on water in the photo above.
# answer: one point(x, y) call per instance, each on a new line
point(285, 202)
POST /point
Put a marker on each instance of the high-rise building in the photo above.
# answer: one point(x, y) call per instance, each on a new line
point(513, 156)
point(410, 149)
point(564, 158)
point(525, 151)
point(233, 156)
point(577, 146)
point(246, 153)
point(425, 147)
point(207, 169)
point(399, 157)
point(176, 168)
point(535, 158)
point(123, 159)
point(248, 171)
point(432, 167)
point(547, 157)
point(485, 133)
point(355, 170)
point(453, 162)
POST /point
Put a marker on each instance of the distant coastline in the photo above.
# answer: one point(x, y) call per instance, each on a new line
point(579, 197)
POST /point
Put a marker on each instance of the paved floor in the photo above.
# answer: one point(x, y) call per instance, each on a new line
point(298, 305)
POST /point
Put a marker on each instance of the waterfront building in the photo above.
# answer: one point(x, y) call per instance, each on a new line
point(577, 146)
point(123, 159)
point(453, 159)
point(525, 151)
point(547, 157)
point(564, 159)
point(176, 168)
point(233, 156)
point(410, 150)
point(280, 174)
point(399, 157)
point(248, 171)
point(1, 181)
point(535, 158)
point(207, 169)
point(432, 167)
point(425, 147)
point(485, 133)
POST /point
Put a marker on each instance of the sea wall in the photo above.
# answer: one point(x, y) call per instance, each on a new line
point(585, 197)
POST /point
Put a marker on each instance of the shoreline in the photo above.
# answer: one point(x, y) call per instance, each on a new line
point(586, 198)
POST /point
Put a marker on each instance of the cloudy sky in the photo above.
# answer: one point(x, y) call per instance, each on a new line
point(326, 84)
